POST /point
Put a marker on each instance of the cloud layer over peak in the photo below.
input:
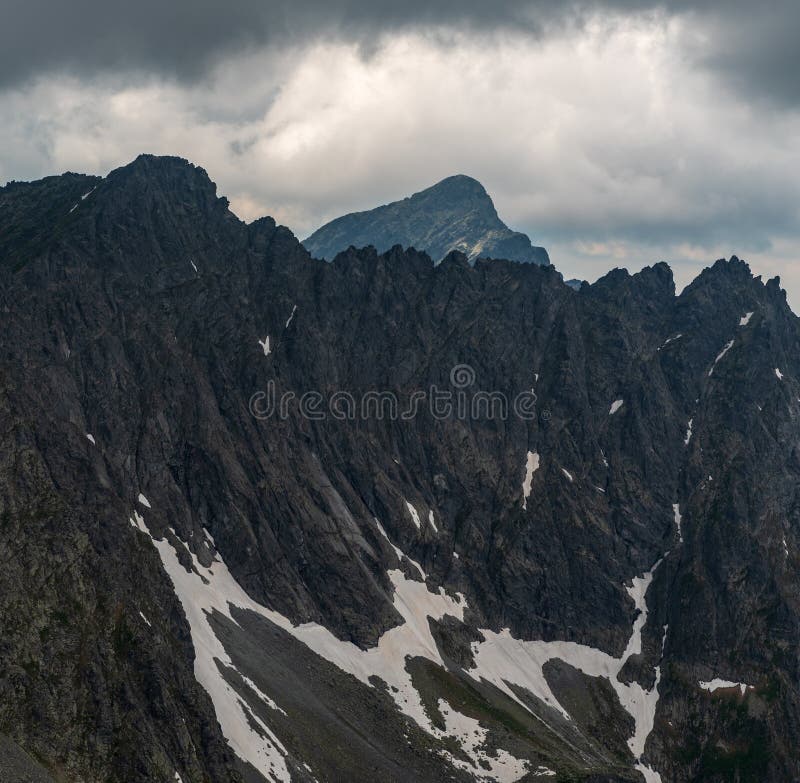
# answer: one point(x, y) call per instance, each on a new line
point(614, 133)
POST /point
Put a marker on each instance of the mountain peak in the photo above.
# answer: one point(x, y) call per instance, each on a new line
point(163, 181)
point(459, 184)
point(456, 213)
point(165, 169)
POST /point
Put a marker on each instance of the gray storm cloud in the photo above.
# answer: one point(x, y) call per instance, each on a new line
point(752, 46)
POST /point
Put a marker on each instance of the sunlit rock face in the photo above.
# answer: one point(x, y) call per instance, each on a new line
point(455, 214)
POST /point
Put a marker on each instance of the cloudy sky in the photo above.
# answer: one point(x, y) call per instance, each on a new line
point(616, 133)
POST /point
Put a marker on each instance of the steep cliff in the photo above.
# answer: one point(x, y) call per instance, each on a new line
point(228, 556)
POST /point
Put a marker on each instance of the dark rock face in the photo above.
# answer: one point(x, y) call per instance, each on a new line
point(164, 568)
point(455, 214)
point(17, 765)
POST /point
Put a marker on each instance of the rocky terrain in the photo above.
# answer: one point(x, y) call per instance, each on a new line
point(228, 557)
point(454, 214)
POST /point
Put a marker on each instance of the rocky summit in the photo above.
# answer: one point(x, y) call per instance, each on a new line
point(267, 518)
point(455, 214)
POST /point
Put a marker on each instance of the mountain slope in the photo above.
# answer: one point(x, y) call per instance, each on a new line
point(210, 588)
point(455, 214)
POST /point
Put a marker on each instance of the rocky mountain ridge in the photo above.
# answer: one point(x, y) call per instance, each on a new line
point(454, 214)
point(600, 585)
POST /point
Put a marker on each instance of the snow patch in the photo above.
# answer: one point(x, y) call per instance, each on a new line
point(194, 266)
point(688, 433)
point(717, 684)
point(676, 510)
point(615, 406)
point(502, 767)
point(719, 356)
point(149, 624)
point(90, 438)
point(650, 775)
point(291, 316)
point(414, 515)
point(203, 591)
point(432, 522)
point(745, 319)
point(200, 599)
point(670, 339)
point(382, 531)
point(499, 660)
point(137, 521)
point(531, 466)
point(502, 659)
point(265, 345)
point(258, 692)
point(399, 552)
point(567, 474)
point(144, 501)
point(778, 374)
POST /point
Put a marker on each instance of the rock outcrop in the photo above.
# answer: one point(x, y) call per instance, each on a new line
point(455, 214)
point(226, 554)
